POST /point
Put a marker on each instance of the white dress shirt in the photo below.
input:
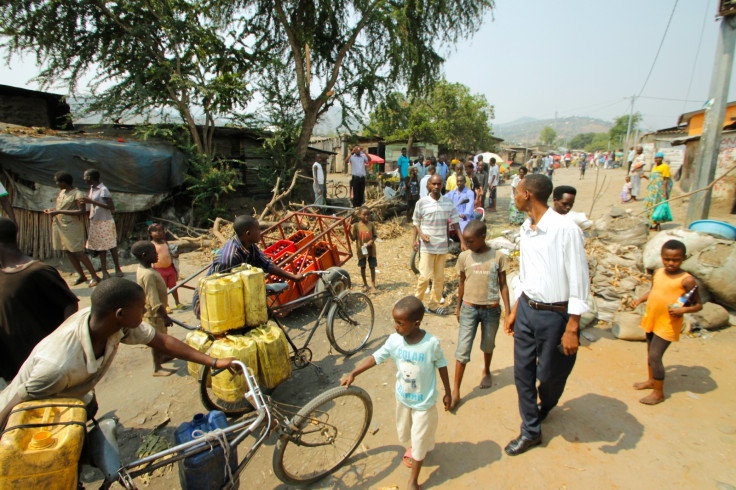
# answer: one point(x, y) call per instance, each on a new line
point(553, 266)
point(493, 174)
point(423, 192)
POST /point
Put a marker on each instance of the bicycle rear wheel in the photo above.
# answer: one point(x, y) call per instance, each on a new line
point(326, 432)
point(212, 402)
point(341, 191)
point(350, 322)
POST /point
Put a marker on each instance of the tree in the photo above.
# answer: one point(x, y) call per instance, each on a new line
point(548, 135)
point(620, 126)
point(352, 52)
point(143, 56)
point(579, 141)
point(449, 115)
point(600, 142)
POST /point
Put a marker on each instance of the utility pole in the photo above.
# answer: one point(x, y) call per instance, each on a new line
point(628, 129)
point(706, 159)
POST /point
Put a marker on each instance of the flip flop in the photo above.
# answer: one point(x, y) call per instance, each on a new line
point(80, 280)
point(407, 459)
point(92, 283)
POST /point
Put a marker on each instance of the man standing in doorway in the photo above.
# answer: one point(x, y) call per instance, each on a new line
point(554, 288)
point(494, 174)
point(432, 217)
point(357, 160)
point(318, 174)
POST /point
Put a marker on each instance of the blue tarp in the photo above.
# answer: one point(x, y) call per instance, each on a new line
point(130, 166)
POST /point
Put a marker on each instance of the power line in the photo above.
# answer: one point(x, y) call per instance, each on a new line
point(697, 53)
point(651, 69)
point(668, 98)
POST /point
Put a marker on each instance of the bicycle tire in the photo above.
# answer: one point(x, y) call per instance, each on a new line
point(340, 280)
point(296, 456)
point(212, 402)
point(341, 191)
point(350, 322)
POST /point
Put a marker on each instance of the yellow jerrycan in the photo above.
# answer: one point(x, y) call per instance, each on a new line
point(45, 456)
point(274, 365)
point(221, 304)
point(227, 387)
point(254, 292)
point(200, 341)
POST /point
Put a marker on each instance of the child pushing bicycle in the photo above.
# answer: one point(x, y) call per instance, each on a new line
point(418, 357)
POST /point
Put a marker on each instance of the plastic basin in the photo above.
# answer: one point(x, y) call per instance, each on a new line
point(719, 228)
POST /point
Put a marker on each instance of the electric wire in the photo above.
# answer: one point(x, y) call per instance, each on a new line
point(654, 62)
point(697, 54)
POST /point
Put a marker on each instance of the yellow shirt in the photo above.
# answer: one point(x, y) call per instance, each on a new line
point(451, 184)
point(663, 169)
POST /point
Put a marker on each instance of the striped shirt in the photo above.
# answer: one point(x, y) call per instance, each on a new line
point(432, 217)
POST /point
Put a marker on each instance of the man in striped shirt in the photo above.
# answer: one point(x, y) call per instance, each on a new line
point(432, 216)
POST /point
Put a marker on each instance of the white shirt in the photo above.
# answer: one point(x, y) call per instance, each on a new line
point(423, 192)
point(493, 174)
point(553, 266)
point(64, 363)
point(320, 173)
point(357, 164)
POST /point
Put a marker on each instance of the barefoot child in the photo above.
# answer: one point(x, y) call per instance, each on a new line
point(165, 264)
point(364, 235)
point(418, 356)
point(156, 298)
point(626, 190)
point(482, 284)
point(663, 321)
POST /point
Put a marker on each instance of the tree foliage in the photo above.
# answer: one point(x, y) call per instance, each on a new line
point(580, 141)
point(548, 135)
point(448, 115)
point(600, 141)
point(620, 126)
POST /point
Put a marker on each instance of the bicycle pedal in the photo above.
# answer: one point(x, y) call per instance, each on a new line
point(320, 372)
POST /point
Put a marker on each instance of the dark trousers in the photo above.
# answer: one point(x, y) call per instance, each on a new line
point(358, 185)
point(537, 333)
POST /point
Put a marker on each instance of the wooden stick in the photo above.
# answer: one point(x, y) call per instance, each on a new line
point(595, 190)
point(604, 188)
point(695, 191)
point(185, 227)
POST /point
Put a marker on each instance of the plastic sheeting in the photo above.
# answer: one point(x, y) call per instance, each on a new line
point(130, 166)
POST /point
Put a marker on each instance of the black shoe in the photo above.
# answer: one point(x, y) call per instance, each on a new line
point(543, 412)
point(521, 444)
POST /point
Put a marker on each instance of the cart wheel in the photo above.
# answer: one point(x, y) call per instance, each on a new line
point(340, 280)
point(302, 358)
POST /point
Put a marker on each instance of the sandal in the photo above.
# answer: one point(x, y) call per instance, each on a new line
point(440, 311)
point(92, 283)
point(407, 459)
point(80, 280)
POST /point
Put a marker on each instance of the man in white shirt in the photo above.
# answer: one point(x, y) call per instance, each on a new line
point(318, 185)
point(357, 160)
point(423, 191)
point(554, 288)
point(494, 173)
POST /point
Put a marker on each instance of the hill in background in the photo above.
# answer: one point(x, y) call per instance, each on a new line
point(526, 130)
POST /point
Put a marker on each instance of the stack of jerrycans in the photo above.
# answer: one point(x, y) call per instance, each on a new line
point(234, 301)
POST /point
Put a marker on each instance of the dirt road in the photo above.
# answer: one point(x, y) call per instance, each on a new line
point(599, 436)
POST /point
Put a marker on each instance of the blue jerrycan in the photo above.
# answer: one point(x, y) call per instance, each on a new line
point(206, 470)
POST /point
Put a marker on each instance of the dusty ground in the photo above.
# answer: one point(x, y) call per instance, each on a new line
point(599, 436)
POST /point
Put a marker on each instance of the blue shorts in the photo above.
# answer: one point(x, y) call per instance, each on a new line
point(470, 317)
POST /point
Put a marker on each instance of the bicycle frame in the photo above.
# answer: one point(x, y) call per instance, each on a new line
point(246, 427)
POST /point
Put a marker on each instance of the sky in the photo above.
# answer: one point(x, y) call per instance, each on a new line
point(536, 58)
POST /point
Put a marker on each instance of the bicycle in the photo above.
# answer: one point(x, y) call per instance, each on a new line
point(337, 189)
point(350, 316)
point(335, 421)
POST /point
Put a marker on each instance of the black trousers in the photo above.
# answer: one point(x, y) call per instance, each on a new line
point(537, 333)
point(358, 185)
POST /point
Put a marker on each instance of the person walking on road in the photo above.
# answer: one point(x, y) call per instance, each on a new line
point(554, 288)
point(357, 160)
point(432, 217)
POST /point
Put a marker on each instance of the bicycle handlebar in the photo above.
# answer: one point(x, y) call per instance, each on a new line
point(253, 395)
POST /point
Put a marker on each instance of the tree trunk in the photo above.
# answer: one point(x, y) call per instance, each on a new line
point(409, 144)
point(310, 120)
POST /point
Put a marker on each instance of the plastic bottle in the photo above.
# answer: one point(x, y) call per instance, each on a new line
point(225, 385)
point(202, 342)
point(254, 296)
point(221, 303)
point(682, 300)
point(274, 365)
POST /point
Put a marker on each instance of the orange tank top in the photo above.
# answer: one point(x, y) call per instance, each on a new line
point(665, 291)
point(164, 256)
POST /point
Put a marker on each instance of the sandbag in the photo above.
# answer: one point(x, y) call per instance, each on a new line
point(627, 230)
point(715, 266)
point(711, 317)
point(626, 326)
point(587, 319)
point(694, 242)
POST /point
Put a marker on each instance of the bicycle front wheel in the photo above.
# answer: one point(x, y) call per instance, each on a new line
point(350, 322)
point(341, 191)
point(325, 433)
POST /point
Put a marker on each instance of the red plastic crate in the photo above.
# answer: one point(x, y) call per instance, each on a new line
point(301, 238)
point(289, 295)
point(324, 253)
point(280, 248)
point(304, 263)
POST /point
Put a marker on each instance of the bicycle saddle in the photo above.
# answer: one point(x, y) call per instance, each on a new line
point(276, 288)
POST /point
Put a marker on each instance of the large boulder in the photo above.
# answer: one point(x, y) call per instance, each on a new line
point(715, 266)
point(694, 242)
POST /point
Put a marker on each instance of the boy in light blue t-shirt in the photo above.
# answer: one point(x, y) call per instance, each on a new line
point(418, 357)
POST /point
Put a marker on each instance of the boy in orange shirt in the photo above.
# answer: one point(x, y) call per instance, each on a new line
point(663, 321)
